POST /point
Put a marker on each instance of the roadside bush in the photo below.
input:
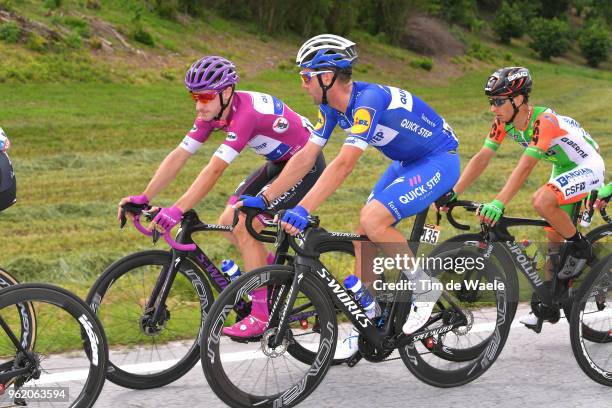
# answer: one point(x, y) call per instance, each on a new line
point(422, 62)
point(550, 38)
point(509, 23)
point(10, 32)
point(143, 37)
point(594, 42)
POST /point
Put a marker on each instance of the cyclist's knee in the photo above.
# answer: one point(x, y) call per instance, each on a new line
point(544, 199)
point(373, 219)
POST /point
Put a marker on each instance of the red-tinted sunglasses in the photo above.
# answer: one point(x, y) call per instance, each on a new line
point(204, 97)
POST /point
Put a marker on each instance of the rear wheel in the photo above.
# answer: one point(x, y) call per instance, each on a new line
point(485, 315)
point(593, 309)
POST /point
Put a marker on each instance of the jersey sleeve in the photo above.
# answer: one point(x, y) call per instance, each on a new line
point(4, 141)
point(196, 137)
point(496, 135)
point(326, 122)
point(239, 132)
point(368, 109)
point(545, 129)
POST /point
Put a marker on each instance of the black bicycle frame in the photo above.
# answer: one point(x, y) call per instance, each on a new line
point(189, 225)
point(306, 261)
point(12, 373)
point(500, 233)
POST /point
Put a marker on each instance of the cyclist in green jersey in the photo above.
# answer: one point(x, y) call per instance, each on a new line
point(545, 135)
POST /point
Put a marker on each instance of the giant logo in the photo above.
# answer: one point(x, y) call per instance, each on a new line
point(362, 122)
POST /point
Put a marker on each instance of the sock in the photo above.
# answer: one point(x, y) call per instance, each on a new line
point(270, 258)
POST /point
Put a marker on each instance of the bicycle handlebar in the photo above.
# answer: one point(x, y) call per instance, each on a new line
point(468, 205)
point(137, 210)
point(251, 213)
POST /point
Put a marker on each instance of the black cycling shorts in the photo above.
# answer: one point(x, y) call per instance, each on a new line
point(8, 183)
point(261, 178)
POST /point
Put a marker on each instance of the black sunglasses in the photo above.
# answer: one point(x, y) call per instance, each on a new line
point(498, 102)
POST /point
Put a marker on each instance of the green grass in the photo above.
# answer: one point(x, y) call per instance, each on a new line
point(88, 129)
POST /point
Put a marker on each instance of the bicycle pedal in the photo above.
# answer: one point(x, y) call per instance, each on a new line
point(536, 327)
point(354, 359)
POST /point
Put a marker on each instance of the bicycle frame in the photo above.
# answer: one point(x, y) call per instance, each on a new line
point(382, 338)
point(519, 257)
point(190, 225)
point(6, 376)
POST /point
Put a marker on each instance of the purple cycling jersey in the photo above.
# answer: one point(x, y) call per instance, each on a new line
point(258, 120)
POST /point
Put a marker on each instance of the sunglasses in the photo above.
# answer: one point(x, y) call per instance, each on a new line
point(307, 76)
point(204, 97)
point(497, 102)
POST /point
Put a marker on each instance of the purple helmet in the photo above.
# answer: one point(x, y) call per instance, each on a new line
point(211, 74)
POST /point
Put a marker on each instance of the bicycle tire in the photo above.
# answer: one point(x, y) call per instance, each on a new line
point(214, 372)
point(157, 258)
point(504, 261)
point(92, 333)
point(472, 369)
point(601, 274)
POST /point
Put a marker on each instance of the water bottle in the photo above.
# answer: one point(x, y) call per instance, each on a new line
point(230, 269)
point(354, 284)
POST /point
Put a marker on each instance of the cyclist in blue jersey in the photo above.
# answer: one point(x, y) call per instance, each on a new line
point(421, 145)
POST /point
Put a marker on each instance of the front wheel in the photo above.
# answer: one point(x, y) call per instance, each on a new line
point(256, 373)
point(593, 309)
point(144, 355)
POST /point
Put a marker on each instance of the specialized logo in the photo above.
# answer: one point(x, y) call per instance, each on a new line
point(231, 136)
point(320, 122)
point(280, 125)
point(194, 128)
point(362, 122)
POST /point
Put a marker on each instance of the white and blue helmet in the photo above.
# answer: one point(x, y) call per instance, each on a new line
point(327, 51)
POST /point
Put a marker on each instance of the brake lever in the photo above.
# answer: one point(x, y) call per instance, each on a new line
point(123, 219)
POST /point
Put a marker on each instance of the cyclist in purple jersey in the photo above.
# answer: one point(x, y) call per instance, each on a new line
point(258, 120)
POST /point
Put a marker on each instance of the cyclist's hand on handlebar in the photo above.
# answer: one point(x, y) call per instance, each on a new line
point(603, 196)
point(441, 203)
point(166, 219)
point(295, 220)
point(250, 201)
point(138, 199)
point(490, 213)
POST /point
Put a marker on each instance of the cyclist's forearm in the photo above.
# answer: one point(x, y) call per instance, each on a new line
point(295, 169)
point(202, 185)
point(517, 179)
point(332, 178)
point(166, 172)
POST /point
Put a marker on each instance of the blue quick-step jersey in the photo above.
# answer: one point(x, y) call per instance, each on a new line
point(400, 125)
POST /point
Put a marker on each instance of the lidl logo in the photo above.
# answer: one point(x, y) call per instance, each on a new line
point(320, 122)
point(363, 119)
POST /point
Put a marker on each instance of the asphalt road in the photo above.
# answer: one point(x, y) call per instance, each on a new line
point(532, 370)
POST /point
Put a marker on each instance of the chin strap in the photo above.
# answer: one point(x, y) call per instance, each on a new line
point(224, 105)
point(516, 108)
point(325, 88)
